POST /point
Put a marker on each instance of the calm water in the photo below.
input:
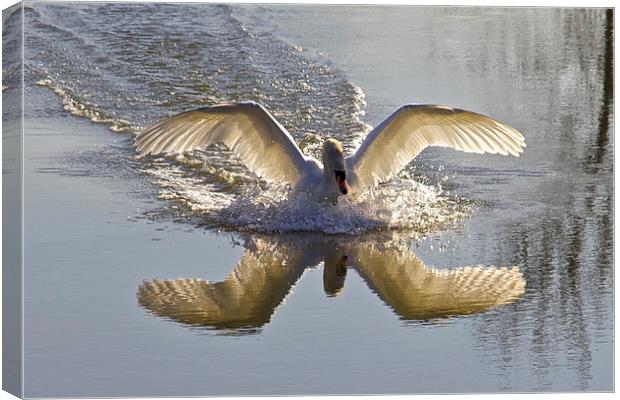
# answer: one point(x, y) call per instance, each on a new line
point(193, 270)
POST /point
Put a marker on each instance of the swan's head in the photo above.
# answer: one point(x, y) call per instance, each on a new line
point(334, 165)
point(334, 274)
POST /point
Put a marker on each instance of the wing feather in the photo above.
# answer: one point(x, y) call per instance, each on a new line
point(247, 129)
point(412, 128)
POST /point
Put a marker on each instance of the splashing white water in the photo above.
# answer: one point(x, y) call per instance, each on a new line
point(236, 201)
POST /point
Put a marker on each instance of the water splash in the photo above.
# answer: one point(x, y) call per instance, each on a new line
point(219, 199)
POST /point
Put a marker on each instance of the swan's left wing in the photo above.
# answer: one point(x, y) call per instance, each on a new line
point(412, 128)
point(248, 129)
point(417, 292)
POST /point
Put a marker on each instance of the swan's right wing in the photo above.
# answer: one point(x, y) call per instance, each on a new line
point(249, 130)
point(246, 299)
point(417, 292)
point(390, 146)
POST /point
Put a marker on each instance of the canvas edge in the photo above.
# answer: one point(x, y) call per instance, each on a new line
point(12, 204)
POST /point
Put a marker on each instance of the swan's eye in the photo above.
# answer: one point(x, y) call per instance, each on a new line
point(341, 175)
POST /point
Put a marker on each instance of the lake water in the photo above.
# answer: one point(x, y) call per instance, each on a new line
point(190, 277)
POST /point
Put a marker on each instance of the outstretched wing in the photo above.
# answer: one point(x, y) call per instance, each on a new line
point(417, 292)
point(403, 135)
point(248, 129)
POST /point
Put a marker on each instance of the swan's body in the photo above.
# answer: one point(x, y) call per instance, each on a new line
point(268, 150)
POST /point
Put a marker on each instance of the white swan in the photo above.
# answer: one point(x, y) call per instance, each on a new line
point(269, 151)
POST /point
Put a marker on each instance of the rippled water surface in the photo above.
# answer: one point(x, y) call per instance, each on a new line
point(465, 273)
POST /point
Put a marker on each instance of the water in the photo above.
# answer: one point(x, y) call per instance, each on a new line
point(195, 270)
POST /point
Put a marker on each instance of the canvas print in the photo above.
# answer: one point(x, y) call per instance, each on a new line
point(208, 199)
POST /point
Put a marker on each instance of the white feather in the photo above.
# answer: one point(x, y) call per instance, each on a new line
point(392, 145)
point(247, 129)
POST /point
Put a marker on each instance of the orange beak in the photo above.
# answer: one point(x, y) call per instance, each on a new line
point(342, 185)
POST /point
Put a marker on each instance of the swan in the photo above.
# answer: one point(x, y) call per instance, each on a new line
point(268, 150)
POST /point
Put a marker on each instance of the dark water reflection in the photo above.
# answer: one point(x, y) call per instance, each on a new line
point(601, 147)
point(271, 266)
point(566, 249)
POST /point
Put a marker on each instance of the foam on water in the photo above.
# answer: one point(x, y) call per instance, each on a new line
point(75, 107)
point(418, 210)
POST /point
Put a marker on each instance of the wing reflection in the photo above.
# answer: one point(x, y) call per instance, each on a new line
point(246, 299)
point(417, 292)
point(270, 267)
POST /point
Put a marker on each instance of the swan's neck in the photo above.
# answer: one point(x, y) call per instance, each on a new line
point(333, 160)
point(328, 171)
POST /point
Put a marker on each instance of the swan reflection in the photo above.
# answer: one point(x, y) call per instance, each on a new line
point(269, 268)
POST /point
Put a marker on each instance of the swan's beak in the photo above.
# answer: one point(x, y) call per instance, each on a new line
point(341, 178)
